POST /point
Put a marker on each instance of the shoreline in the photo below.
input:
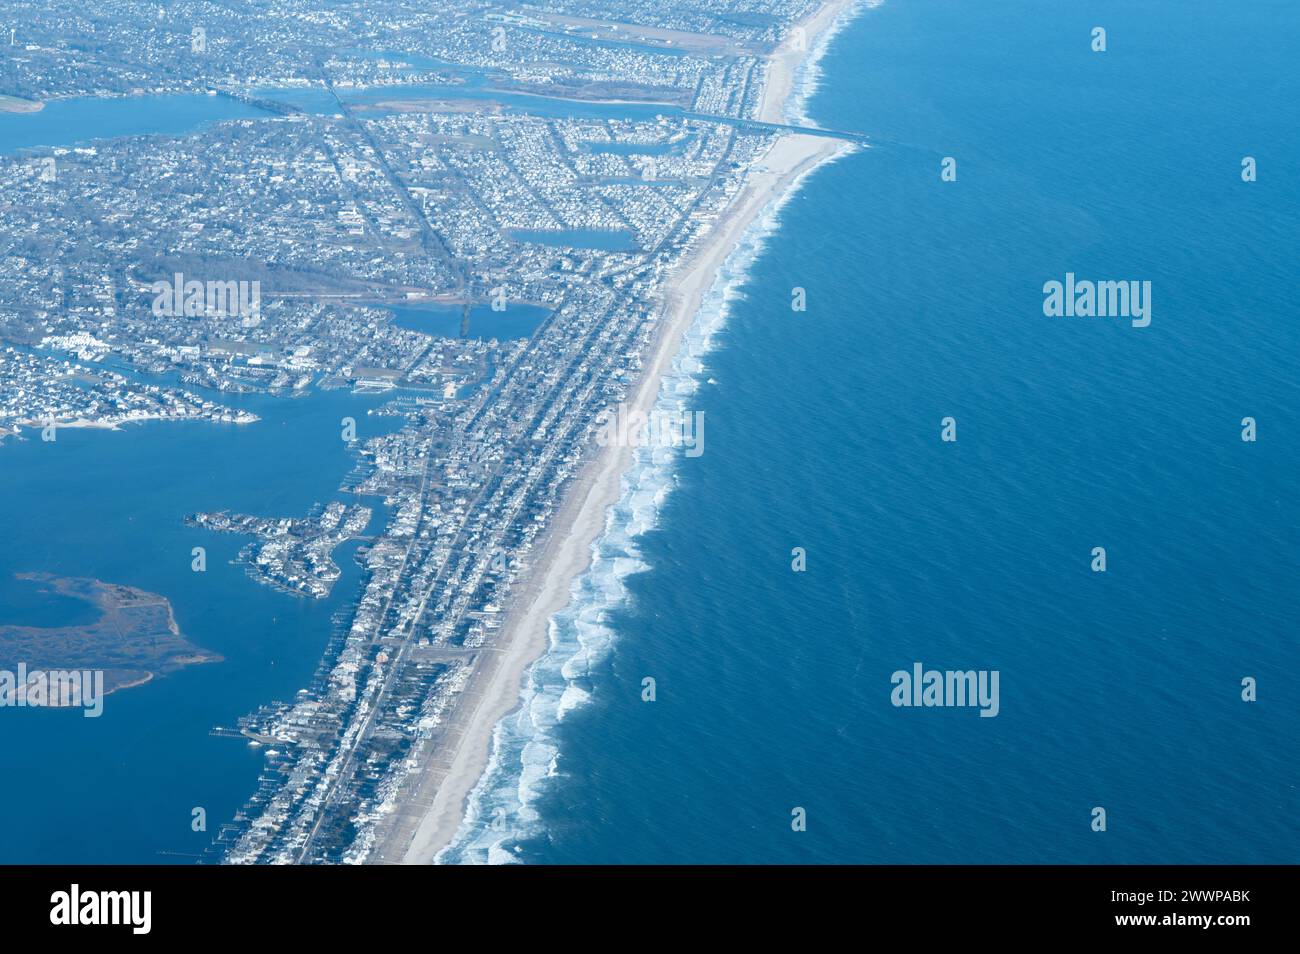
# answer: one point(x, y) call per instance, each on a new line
point(434, 811)
point(785, 62)
point(95, 424)
point(16, 104)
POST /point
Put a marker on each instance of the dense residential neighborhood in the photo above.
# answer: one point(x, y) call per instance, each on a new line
point(473, 211)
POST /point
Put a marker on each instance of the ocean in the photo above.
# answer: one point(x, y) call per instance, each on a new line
point(1119, 690)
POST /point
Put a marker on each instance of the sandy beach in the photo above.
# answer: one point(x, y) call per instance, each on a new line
point(431, 814)
point(783, 65)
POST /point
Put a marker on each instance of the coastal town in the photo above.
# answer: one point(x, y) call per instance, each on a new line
point(293, 554)
point(43, 392)
point(502, 219)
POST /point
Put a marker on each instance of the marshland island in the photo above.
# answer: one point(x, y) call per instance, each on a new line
point(134, 639)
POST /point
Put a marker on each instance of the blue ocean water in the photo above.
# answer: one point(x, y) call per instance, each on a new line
point(1119, 690)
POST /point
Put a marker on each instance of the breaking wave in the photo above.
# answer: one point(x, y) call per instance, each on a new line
point(502, 809)
point(807, 78)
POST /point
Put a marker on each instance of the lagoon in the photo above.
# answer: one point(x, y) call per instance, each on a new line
point(605, 241)
point(516, 321)
point(81, 120)
point(111, 506)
